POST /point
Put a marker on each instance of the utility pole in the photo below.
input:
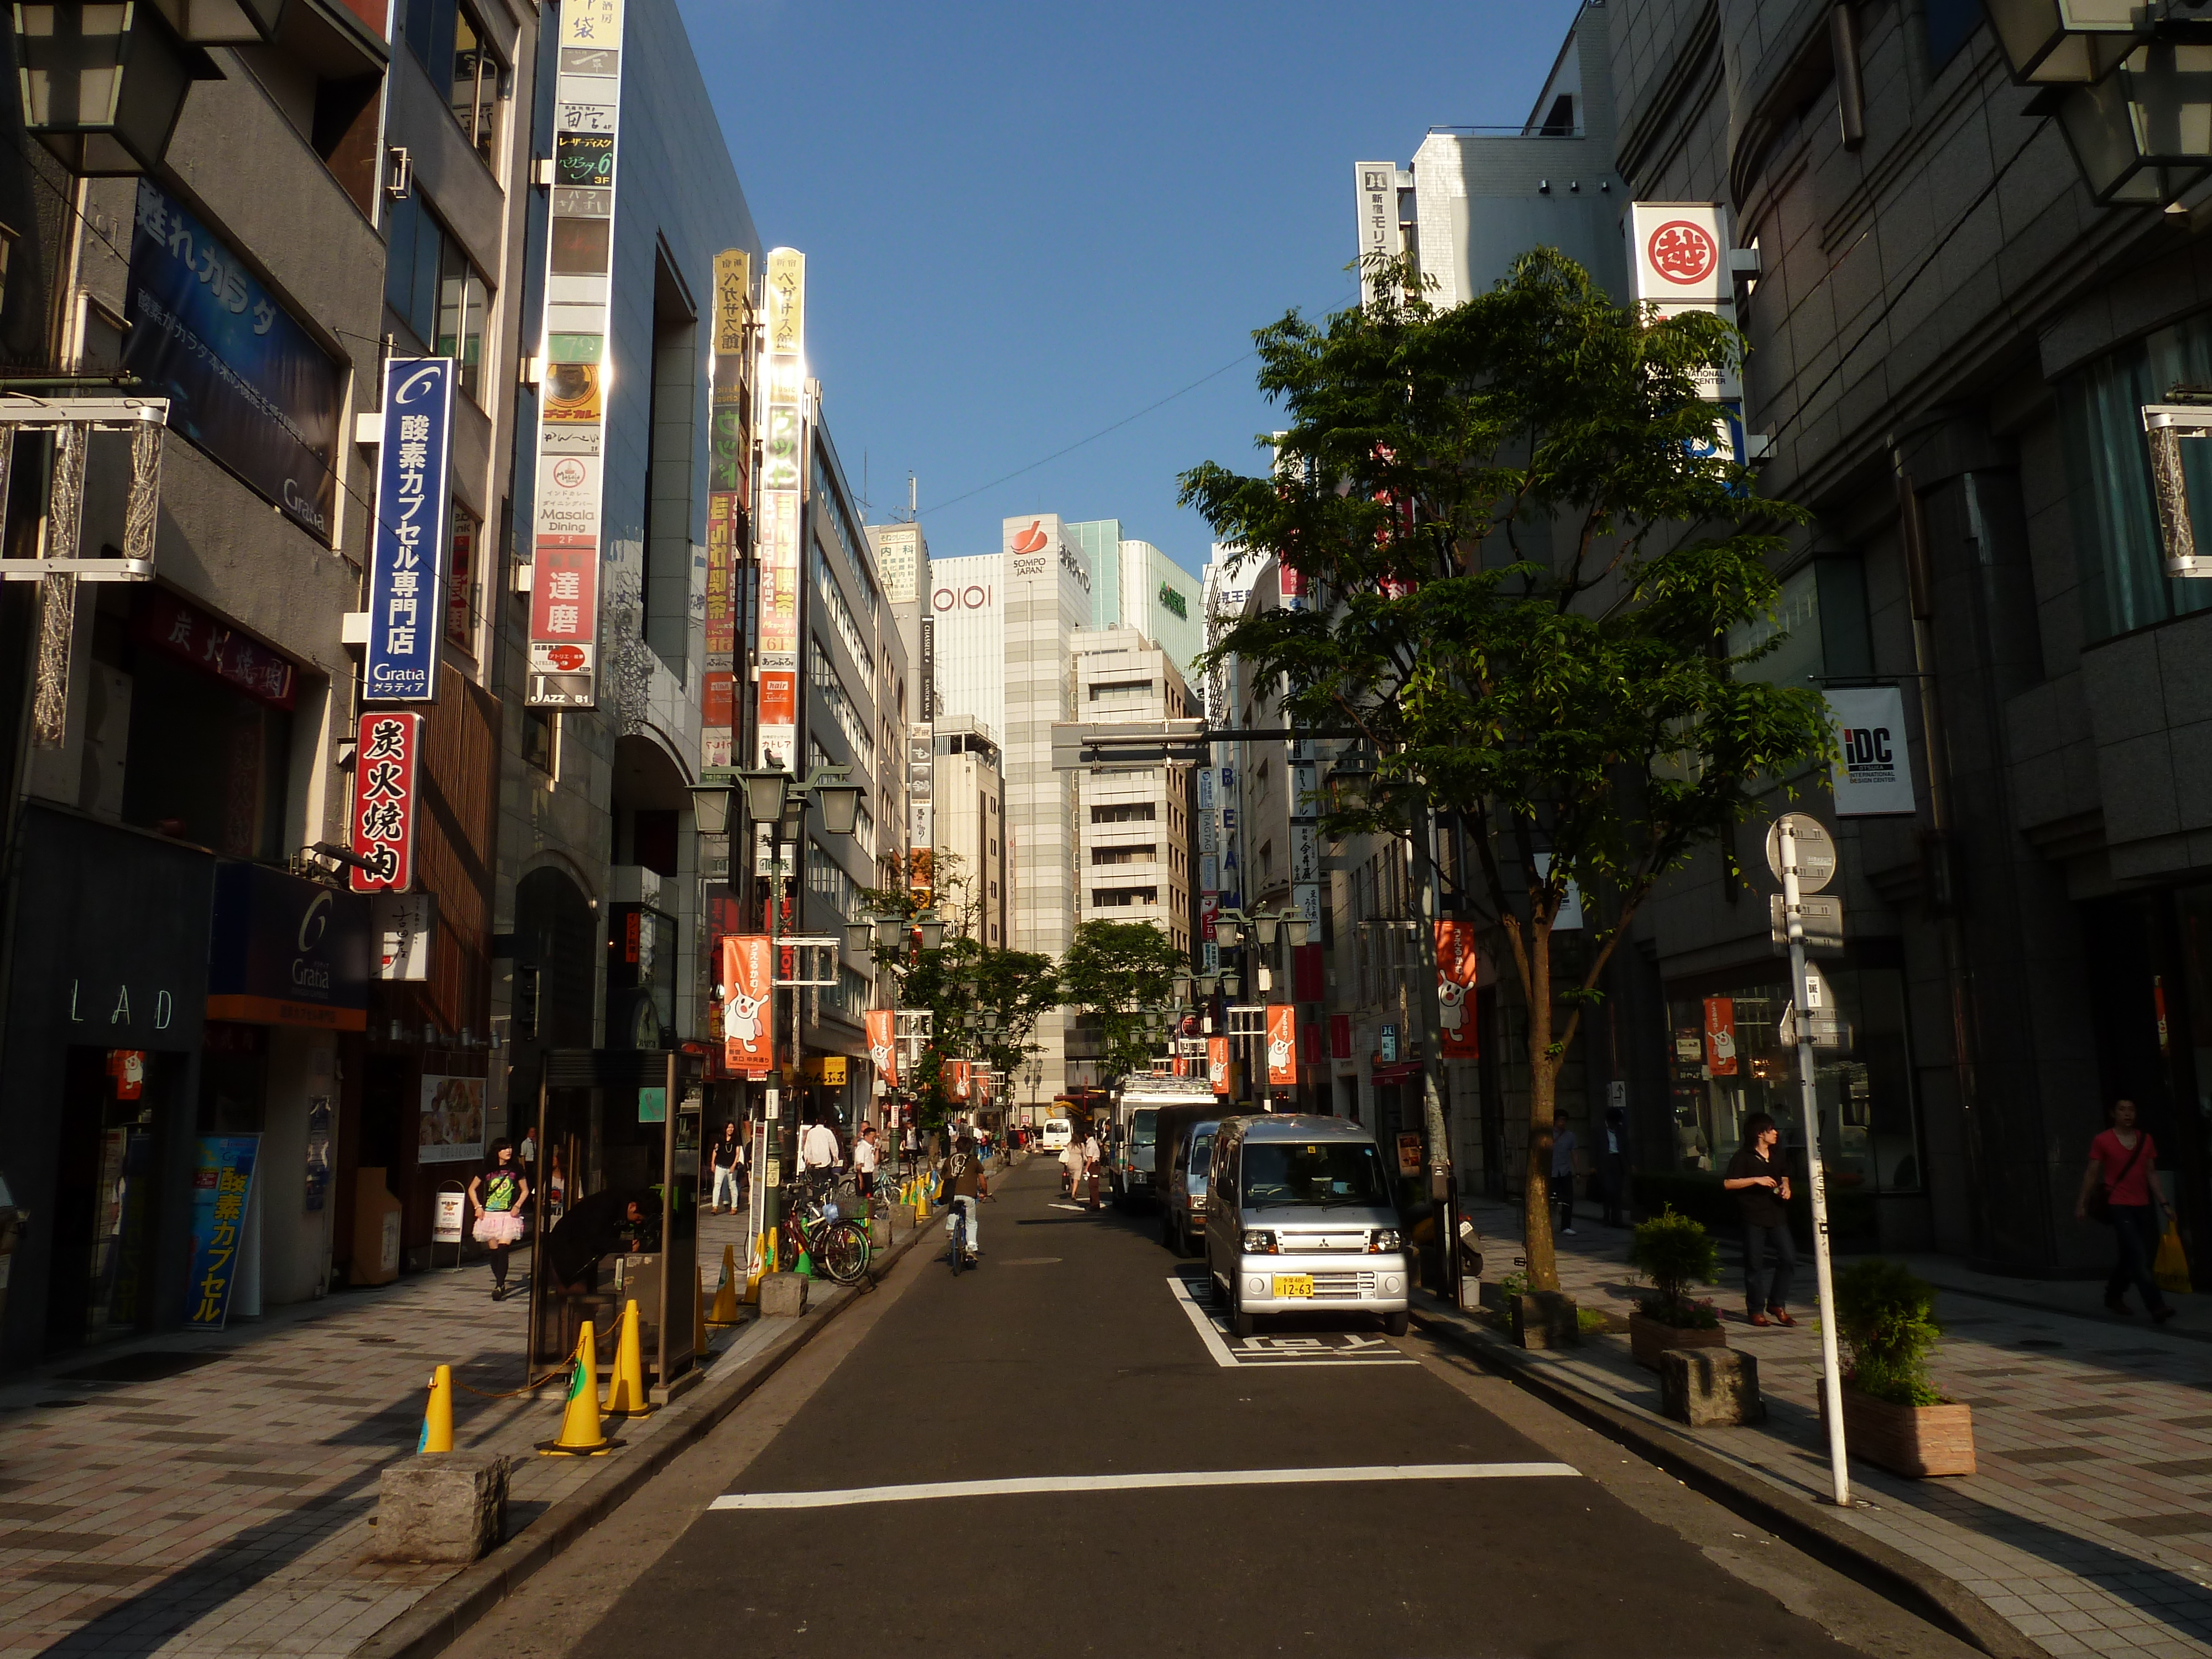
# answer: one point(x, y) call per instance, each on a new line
point(1797, 837)
point(1436, 1132)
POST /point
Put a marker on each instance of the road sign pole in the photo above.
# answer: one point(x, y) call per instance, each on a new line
point(1832, 1379)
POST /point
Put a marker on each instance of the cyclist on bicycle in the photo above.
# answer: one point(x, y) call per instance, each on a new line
point(963, 1172)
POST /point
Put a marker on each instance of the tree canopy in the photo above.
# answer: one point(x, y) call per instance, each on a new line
point(1114, 971)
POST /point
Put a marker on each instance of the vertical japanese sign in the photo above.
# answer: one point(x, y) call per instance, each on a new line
point(1216, 1064)
point(782, 488)
point(564, 588)
point(222, 1183)
point(383, 829)
point(1720, 1035)
point(728, 479)
point(1282, 1044)
point(748, 1005)
point(883, 1043)
point(1376, 184)
point(406, 563)
point(1455, 979)
point(1678, 260)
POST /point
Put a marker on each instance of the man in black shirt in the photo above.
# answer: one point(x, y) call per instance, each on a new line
point(1759, 1178)
point(962, 1170)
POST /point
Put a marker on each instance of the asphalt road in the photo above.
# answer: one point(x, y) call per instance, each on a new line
point(1070, 1355)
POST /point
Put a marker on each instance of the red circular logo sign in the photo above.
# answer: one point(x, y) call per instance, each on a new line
point(1682, 252)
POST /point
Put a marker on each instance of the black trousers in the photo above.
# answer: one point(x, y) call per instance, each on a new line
point(1765, 1287)
point(2135, 1230)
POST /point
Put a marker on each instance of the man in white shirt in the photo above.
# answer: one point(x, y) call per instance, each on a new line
point(866, 1158)
point(817, 1149)
point(1091, 1154)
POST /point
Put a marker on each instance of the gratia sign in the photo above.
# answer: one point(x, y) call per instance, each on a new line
point(407, 558)
point(383, 828)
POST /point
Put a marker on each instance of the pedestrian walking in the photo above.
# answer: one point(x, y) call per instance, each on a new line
point(1759, 1178)
point(865, 1161)
point(1092, 1157)
point(818, 1152)
point(729, 1158)
point(1071, 1168)
point(1563, 1171)
point(1612, 1167)
point(2120, 1188)
point(497, 1195)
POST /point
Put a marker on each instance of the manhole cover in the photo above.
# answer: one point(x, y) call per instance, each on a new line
point(150, 1366)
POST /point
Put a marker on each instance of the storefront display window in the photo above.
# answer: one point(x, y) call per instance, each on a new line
point(1728, 1061)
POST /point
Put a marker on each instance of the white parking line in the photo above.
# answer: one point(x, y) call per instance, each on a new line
point(1070, 1483)
point(1346, 1348)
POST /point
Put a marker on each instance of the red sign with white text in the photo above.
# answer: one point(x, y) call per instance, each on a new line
point(1455, 978)
point(382, 832)
point(1216, 1064)
point(748, 1005)
point(564, 619)
point(883, 1043)
point(1282, 1044)
point(1720, 1035)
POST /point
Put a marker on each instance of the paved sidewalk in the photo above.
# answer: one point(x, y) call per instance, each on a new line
point(225, 1510)
point(2089, 1524)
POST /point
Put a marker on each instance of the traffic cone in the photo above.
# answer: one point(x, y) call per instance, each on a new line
point(726, 1294)
point(437, 1434)
point(626, 1387)
point(580, 1435)
point(755, 1267)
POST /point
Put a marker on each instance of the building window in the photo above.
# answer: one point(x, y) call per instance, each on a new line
point(1118, 898)
point(430, 282)
point(540, 739)
point(1106, 690)
point(449, 43)
point(2124, 580)
point(461, 578)
point(1135, 854)
point(1125, 812)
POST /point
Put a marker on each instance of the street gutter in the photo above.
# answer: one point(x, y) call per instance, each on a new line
point(1910, 1583)
point(438, 1620)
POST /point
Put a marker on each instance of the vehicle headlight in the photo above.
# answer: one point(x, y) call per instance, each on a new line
point(1382, 1239)
point(1259, 1242)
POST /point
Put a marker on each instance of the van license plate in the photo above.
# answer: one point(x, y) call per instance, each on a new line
point(1288, 1285)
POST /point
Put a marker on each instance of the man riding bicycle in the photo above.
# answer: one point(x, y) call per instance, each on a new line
point(963, 1174)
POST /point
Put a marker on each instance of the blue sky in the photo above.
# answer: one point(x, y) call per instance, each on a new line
point(1024, 223)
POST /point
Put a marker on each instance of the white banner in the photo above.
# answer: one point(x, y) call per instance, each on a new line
point(1874, 778)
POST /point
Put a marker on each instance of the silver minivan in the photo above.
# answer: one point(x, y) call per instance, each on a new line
point(1298, 1220)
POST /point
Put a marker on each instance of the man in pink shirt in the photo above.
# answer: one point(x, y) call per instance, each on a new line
point(2121, 1188)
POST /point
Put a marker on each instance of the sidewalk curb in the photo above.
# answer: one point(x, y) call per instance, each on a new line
point(1882, 1568)
point(440, 1617)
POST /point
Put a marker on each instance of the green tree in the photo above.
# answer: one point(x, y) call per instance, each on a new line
point(957, 982)
point(1113, 971)
point(1527, 560)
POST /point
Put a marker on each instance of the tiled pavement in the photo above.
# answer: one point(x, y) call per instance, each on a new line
point(226, 1510)
point(2089, 1524)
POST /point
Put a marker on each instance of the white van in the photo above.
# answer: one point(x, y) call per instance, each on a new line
point(1058, 1132)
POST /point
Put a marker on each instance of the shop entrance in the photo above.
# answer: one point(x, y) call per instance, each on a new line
point(107, 1201)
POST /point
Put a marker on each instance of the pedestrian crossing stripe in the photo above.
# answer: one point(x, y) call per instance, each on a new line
point(1322, 1349)
point(1027, 1484)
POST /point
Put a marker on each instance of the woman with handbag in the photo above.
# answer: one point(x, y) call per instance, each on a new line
point(2120, 1188)
point(497, 1195)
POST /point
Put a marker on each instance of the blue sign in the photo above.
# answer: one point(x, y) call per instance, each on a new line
point(222, 1181)
point(406, 595)
point(245, 381)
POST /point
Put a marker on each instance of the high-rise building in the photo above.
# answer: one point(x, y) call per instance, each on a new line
point(969, 853)
point(1134, 585)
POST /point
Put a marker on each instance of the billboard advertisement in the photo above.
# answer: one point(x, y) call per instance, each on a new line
point(451, 1128)
point(245, 381)
point(1455, 981)
point(407, 557)
point(1873, 772)
point(781, 495)
point(748, 1005)
point(1282, 1044)
point(883, 1043)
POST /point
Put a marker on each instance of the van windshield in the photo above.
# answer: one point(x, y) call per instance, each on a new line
point(1144, 1127)
point(1313, 1172)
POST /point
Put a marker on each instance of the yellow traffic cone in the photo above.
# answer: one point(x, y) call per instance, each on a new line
point(580, 1435)
point(726, 1294)
point(437, 1434)
point(626, 1387)
point(755, 1267)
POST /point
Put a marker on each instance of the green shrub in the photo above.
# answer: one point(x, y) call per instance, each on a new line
point(1886, 1317)
point(1676, 1252)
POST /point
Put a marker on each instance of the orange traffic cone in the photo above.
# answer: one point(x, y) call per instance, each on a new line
point(580, 1435)
point(626, 1387)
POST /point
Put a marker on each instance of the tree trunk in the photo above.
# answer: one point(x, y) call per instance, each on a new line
point(1543, 1267)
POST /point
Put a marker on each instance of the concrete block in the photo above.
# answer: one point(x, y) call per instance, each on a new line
point(879, 1229)
point(1545, 1319)
point(1710, 1388)
point(782, 1295)
point(450, 1506)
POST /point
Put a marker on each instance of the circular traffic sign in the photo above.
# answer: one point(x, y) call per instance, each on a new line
point(1816, 851)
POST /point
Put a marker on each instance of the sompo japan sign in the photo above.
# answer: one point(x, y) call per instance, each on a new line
point(384, 800)
point(405, 586)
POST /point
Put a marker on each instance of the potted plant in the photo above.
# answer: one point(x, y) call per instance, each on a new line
point(1674, 1252)
point(1893, 1414)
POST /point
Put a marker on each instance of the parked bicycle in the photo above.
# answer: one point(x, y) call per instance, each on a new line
point(834, 1243)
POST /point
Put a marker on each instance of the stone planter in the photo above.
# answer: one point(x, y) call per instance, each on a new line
point(1650, 1338)
point(1544, 1319)
point(1919, 1440)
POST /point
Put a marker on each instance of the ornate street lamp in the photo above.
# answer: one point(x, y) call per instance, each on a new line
point(840, 800)
point(2068, 42)
point(764, 794)
point(710, 801)
point(2143, 134)
point(931, 927)
point(103, 85)
point(891, 933)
